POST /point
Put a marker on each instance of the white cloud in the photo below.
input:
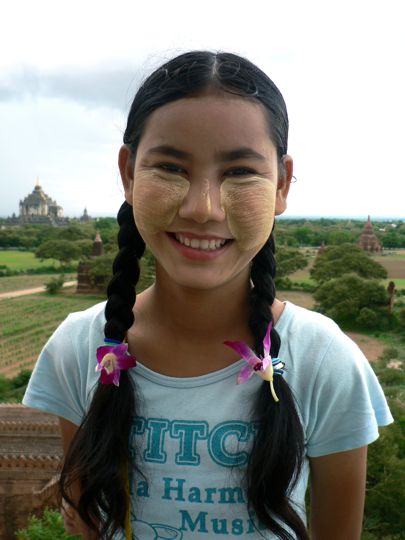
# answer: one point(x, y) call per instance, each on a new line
point(71, 69)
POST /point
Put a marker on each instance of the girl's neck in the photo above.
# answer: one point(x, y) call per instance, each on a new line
point(200, 311)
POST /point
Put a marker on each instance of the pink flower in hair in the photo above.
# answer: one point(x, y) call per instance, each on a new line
point(265, 367)
point(112, 358)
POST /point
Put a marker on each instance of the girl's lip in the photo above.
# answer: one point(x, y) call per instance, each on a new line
point(198, 236)
point(198, 254)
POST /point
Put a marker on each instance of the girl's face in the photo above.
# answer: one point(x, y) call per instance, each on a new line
point(205, 186)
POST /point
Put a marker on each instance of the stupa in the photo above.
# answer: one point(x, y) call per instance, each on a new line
point(368, 240)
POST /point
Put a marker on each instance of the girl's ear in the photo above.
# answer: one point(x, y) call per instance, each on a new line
point(126, 166)
point(283, 185)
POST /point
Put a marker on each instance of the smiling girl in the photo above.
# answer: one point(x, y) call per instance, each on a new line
point(160, 439)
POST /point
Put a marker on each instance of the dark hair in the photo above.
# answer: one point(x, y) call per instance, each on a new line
point(278, 450)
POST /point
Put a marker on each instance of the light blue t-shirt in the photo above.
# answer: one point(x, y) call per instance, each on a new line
point(193, 434)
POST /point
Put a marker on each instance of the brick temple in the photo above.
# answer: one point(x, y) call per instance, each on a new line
point(368, 240)
point(30, 458)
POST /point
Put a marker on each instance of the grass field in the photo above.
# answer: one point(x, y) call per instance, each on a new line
point(23, 260)
point(28, 321)
point(393, 262)
point(18, 283)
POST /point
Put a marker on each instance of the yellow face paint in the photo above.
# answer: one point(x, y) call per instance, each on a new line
point(157, 199)
point(249, 205)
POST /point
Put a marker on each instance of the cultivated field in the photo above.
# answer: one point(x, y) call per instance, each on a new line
point(28, 321)
point(22, 260)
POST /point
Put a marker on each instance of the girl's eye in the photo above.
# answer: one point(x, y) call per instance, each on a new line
point(240, 171)
point(171, 168)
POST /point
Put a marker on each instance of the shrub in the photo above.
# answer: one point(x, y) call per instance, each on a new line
point(55, 285)
point(367, 318)
point(385, 501)
point(343, 298)
point(49, 527)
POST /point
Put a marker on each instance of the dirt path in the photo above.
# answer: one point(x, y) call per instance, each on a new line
point(33, 290)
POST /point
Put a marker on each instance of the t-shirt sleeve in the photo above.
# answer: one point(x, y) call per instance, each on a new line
point(346, 404)
point(58, 381)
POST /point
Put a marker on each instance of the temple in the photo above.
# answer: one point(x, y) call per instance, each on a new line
point(38, 207)
point(368, 240)
point(30, 458)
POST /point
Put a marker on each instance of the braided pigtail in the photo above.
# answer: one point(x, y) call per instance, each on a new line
point(278, 449)
point(98, 459)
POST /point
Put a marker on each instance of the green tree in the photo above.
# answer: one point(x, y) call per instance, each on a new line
point(62, 250)
point(85, 246)
point(55, 284)
point(49, 527)
point(338, 237)
point(101, 270)
point(74, 232)
point(288, 261)
point(336, 261)
point(344, 297)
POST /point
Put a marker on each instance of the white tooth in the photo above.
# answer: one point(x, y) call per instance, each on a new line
point(187, 241)
point(195, 243)
point(204, 244)
point(212, 244)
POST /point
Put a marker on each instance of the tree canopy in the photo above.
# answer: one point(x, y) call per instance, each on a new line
point(62, 250)
point(345, 297)
point(336, 261)
point(289, 260)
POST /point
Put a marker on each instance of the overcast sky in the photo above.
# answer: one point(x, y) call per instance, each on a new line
point(69, 69)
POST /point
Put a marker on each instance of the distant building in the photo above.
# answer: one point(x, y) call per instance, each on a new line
point(30, 459)
point(38, 207)
point(368, 240)
point(85, 217)
point(85, 283)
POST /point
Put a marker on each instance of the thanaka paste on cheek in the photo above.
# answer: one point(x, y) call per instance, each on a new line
point(157, 199)
point(249, 205)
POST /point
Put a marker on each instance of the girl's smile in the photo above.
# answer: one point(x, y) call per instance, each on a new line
point(199, 248)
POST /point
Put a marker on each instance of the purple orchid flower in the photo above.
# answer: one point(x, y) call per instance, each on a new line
point(265, 367)
point(111, 360)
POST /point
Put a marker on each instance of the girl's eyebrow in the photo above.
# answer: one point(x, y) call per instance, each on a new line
point(168, 151)
point(241, 153)
point(231, 155)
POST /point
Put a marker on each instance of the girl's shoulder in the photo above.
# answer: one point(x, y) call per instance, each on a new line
point(300, 324)
point(91, 315)
point(316, 349)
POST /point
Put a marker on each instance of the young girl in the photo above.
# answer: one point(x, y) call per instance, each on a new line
point(160, 440)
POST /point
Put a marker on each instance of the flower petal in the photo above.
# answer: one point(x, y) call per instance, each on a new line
point(126, 362)
point(265, 363)
point(116, 377)
point(267, 340)
point(121, 350)
point(106, 378)
point(102, 351)
point(244, 374)
point(244, 351)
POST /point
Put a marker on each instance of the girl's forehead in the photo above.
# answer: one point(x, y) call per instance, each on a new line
point(216, 117)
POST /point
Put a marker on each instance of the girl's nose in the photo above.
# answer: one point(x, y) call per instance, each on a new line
point(203, 202)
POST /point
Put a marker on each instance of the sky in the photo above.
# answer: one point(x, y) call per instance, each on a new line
point(69, 71)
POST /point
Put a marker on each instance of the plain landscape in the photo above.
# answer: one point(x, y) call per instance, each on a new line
point(320, 266)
